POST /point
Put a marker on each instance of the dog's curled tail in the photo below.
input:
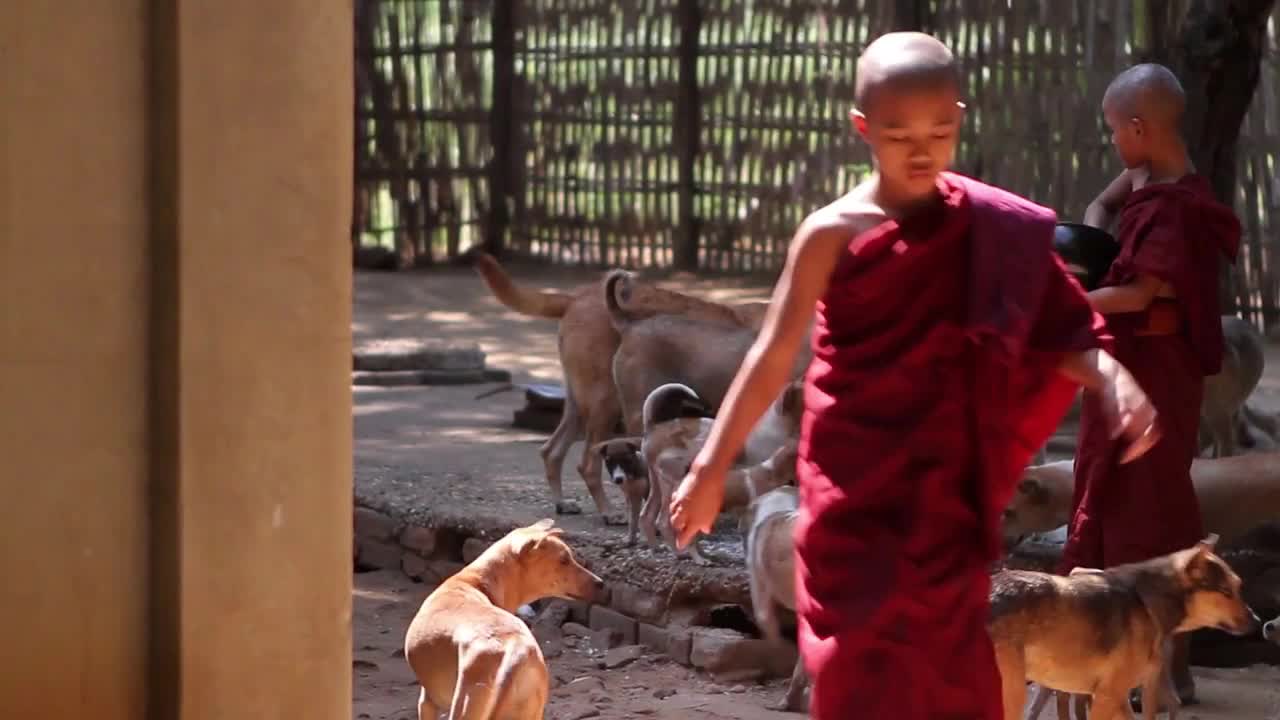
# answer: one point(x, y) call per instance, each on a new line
point(538, 303)
point(617, 290)
point(667, 402)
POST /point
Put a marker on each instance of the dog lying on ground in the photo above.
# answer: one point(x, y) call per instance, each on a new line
point(469, 651)
point(1236, 494)
point(669, 447)
point(658, 349)
point(1225, 393)
point(1104, 632)
point(587, 343)
point(770, 553)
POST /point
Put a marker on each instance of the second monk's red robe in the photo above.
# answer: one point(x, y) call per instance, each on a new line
point(1179, 233)
point(933, 382)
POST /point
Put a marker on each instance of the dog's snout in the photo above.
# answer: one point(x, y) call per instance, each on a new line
point(1271, 631)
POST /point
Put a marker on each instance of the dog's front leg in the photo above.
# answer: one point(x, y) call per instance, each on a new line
point(793, 701)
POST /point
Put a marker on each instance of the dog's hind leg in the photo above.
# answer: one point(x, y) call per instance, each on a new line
point(555, 449)
point(600, 422)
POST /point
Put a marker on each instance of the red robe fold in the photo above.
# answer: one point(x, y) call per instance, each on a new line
point(1126, 513)
point(933, 381)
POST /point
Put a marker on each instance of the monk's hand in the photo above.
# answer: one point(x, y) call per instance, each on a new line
point(1130, 411)
point(696, 503)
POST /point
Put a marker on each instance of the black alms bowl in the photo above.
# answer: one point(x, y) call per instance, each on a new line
point(1087, 251)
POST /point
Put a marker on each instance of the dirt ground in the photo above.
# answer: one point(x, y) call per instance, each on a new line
point(442, 443)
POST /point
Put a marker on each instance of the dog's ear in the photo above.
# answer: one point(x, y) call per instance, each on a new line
point(1034, 490)
point(1164, 599)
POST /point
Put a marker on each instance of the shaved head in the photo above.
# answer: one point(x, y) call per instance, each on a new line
point(901, 61)
point(1149, 92)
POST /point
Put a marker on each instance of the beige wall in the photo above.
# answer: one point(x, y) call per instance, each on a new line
point(187, 337)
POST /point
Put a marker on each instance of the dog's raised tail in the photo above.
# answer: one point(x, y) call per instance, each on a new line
point(538, 303)
point(617, 290)
point(668, 402)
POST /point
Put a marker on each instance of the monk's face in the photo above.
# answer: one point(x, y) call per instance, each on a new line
point(912, 135)
point(1127, 136)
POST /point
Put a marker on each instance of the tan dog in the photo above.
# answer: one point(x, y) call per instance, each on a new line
point(669, 447)
point(658, 349)
point(770, 552)
point(1102, 633)
point(1243, 358)
point(470, 653)
point(1236, 494)
point(587, 344)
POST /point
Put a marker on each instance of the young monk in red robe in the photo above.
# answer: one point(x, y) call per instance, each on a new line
point(1160, 299)
point(948, 344)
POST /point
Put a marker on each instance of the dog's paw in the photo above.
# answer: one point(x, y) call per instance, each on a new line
point(614, 517)
point(568, 507)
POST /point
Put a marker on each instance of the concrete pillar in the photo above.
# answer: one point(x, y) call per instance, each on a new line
point(175, 427)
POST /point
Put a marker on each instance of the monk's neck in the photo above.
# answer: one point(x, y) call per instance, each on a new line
point(897, 204)
point(1170, 167)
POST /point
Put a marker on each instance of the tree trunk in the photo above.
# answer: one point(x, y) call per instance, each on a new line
point(1215, 49)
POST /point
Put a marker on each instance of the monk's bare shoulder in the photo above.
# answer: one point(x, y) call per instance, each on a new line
point(841, 221)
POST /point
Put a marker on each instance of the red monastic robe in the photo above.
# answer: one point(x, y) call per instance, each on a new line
point(933, 382)
point(1177, 232)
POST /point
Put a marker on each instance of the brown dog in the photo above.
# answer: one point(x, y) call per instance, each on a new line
point(470, 653)
point(658, 349)
point(587, 345)
point(669, 447)
point(1103, 632)
point(1236, 495)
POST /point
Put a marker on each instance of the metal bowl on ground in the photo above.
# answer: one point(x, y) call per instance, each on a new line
point(1087, 251)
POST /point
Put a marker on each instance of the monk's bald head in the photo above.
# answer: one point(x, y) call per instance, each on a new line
point(903, 62)
point(1148, 92)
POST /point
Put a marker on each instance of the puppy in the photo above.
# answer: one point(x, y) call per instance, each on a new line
point(470, 653)
point(669, 446)
point(1271, 631)
point(624, 465)
point(587, 343)
point(770, 552)
point(1236, 495)
point(1102, 632)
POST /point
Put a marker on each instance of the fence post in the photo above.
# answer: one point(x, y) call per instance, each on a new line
point(500, 125)
point(687, 136)
point(909, 15)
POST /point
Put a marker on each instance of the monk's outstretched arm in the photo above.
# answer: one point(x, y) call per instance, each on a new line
point(767, 365)
point(764, 371)
point(1127, 406)
point(1102, 212)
